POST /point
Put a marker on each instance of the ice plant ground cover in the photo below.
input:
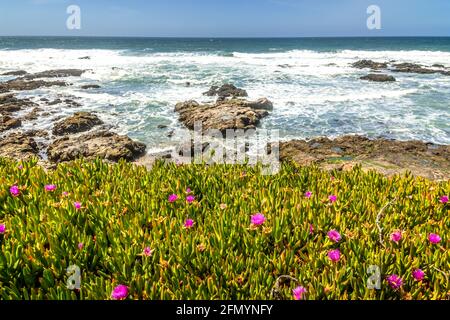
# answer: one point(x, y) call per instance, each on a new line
point(128, 231)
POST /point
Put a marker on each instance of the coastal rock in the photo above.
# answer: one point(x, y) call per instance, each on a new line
point(436, 65)
point(79, 122)
point(21, 85)
point(90, 86)
point(223, 115)
point(226, 91)
point(7, 122)
point(101, 144)
point(59, 73)
point(378, 77)
point(15, 73)
point(385, 156)
point(85, 58)
point(413, 68)
point(18, 146)
point(33, 115)
point(369, 64)
point(10, 103)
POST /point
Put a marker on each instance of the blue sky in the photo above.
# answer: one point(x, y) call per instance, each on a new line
point(225, 18)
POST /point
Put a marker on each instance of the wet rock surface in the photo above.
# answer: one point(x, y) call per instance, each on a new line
point(7, 122)
point(223, 115)
point(90, 86)
point(385, 156)
point(79, 122)
point(15, 73)
point(102, 144)
point(18, 146)
point(21, 85)
point(405, 67)
point(58, 73)
point(376, 77)
point(369, 64)
point(226, 91)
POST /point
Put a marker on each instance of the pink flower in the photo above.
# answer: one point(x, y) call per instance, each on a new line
point(77, 205)
point(173, 198)
point(65, 194)
point(418, 274)
point(258, 219)
point(394, 281)
point(80, 246)
point(334, 236)
point(298, 292)
point(396, 236)
point(311, 229)
point(188, 190)
point(444, 199)
point(14, 190)
point(50, 187)
point(2, 228)
point(332, 198)
point(190, 199)
point(189, 223)
point(148, 252)
point(120, 292)
point(334, 255)
point(223, 206)
point(20, 167)
point(308, 194)
point(434, 238)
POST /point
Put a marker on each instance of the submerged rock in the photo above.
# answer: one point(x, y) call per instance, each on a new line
point(102, 144)
point(226, 91)
point(79, 122)
point(90, 86)
point(223, 115)
point(15, 73)
point(413, 68)
point(21, 85)
point(10, 103)
point(378, 77)
point(369, 64)
point(59, 73)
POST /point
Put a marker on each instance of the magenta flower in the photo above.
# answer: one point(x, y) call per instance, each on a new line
point(80, 246)
point(20, 167)
point(77, 205)
point(258, 219)
point(188, 190)
point(444, 199)
point(189, 223)
point(2, 228)
point(434, 238)
point(173, 198)
point(332, 198)
point(308, 194)
point(148, 252)
point(334, 255)
point(190, 199)
point(334, 236)
point(50, 187)
point(396, 236)
point(14, 190)
point(120, 292)
point(394, 281)
point(418, 274)
point(311, 229)
point(298, 293)
point(65, 194)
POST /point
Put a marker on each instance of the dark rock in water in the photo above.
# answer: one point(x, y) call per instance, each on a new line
point(85, 58)
point(378, 77)
point(56, 101)
point(9, 103)
point(59, 73)
point(72, 104)
point(226, 91)
point(369, 64)
point(162, 126)
point(37, 133)
point(412, 68)
point(7, 122)
point(18, 146)
point(44, 100)
point(386, 156)
point(79, 122)
point(223, 115)
point(90, 86)
point(101, 144)
point(436, 65)
point(15, 73)
point(21, 85)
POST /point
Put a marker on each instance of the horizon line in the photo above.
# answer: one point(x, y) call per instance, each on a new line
point(218, 37)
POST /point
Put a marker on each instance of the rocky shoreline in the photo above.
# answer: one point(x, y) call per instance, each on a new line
point(84, 134)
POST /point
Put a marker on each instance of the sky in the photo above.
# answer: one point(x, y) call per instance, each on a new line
point(225, 18)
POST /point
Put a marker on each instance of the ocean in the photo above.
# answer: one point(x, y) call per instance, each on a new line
point(314, 89)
